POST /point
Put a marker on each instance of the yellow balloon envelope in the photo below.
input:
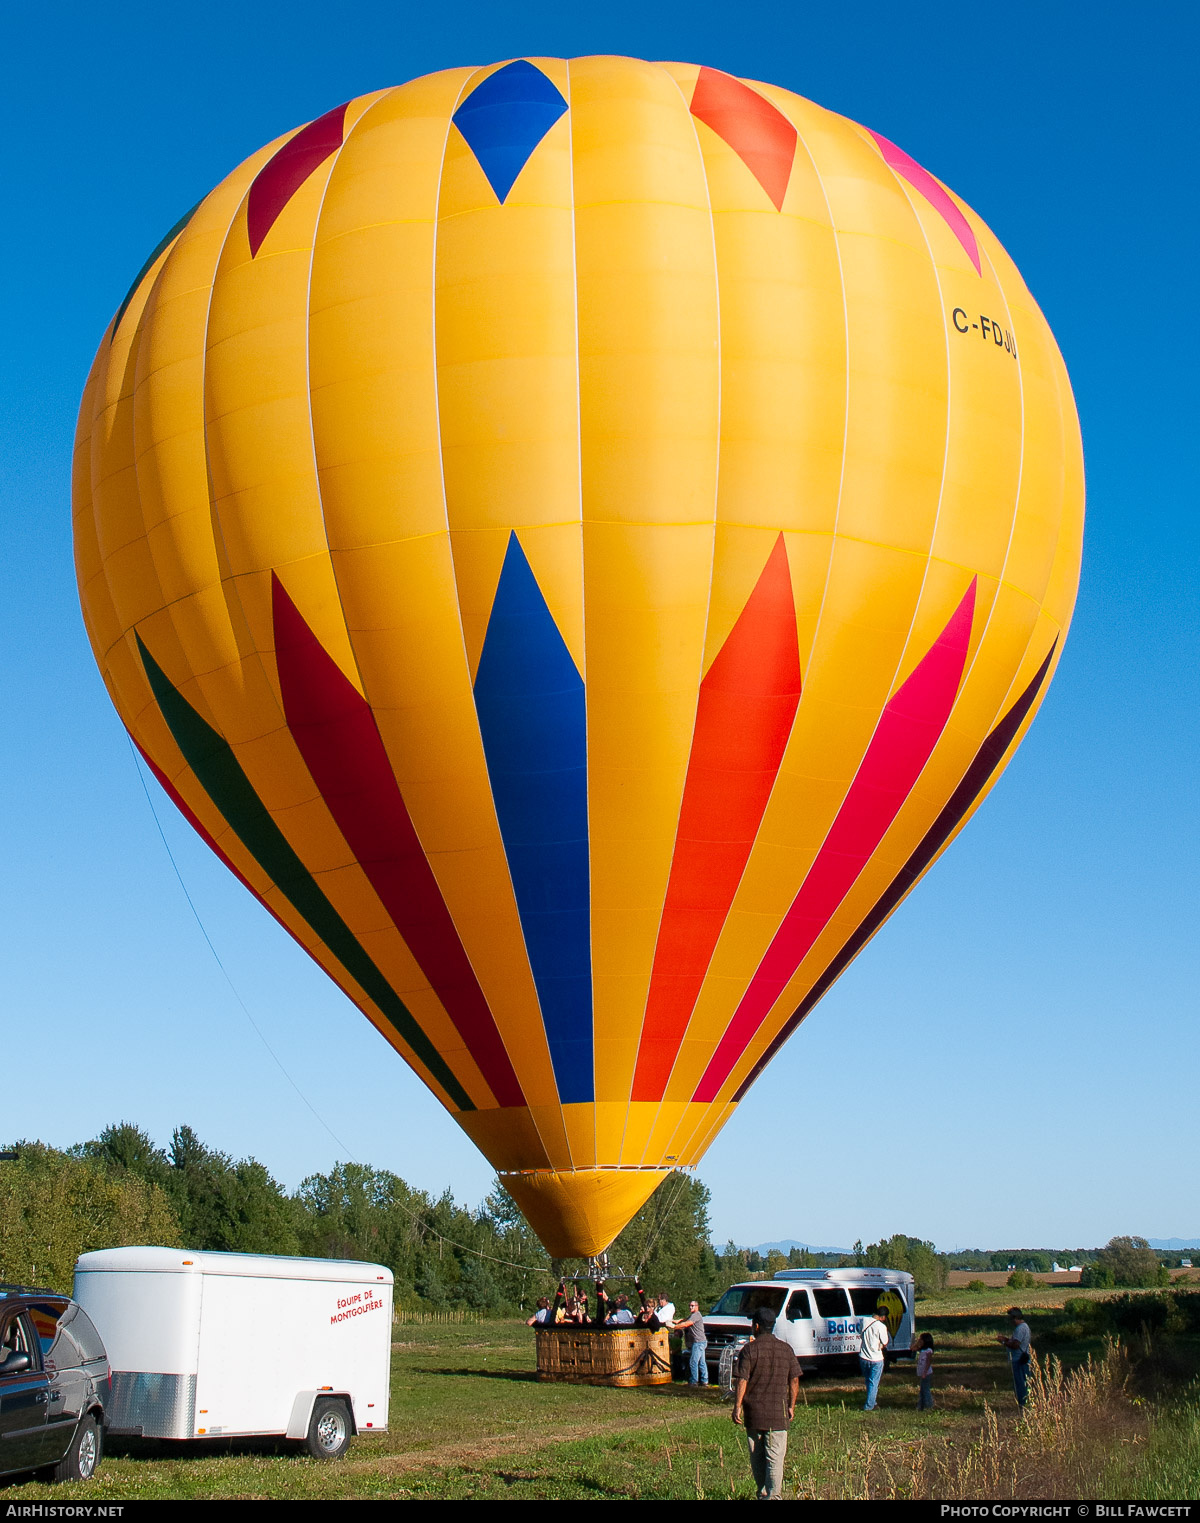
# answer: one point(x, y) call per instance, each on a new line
point(578, 539)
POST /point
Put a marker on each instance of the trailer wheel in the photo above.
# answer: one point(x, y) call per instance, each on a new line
point(329, 1429)
point(80, 1461)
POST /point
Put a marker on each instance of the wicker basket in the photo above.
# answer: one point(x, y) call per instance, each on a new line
point(604, 1356)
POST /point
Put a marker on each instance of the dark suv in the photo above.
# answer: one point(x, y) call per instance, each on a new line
point(54, 1382)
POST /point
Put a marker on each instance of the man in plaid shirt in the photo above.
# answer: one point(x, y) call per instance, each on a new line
point(766, 1385)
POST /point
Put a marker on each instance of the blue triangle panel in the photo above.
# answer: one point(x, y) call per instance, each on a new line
point(506, 117)
point(533, 718)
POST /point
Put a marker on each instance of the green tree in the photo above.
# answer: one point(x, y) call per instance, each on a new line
point(440, 1253)
point(221, 1204)
point(431, 1288)
point(731, 1265)
point(356, 1212)
point(478, 1288)
point(1132, 1262)
point(125, 1149)
point(226, 1206)
point(920, 1258)
point(514, 1244)
point(55, 1206)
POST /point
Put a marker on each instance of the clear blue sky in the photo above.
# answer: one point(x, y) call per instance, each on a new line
point(1015, 1057)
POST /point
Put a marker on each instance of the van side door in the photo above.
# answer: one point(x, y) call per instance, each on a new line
point(836, 1328)
point(795, 1327)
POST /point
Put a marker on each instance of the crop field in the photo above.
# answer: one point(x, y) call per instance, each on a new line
point(469, 1420)
point(994, 1279)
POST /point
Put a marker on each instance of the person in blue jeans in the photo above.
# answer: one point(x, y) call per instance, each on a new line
point(1017, 1344)
point(693, 1326)
point(870, 1355)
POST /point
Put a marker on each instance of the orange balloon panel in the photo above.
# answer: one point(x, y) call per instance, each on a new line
point(578, 540)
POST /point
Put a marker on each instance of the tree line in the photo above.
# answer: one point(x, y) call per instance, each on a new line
point(120, 1188)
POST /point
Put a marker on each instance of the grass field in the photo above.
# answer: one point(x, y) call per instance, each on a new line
point(470, 1421)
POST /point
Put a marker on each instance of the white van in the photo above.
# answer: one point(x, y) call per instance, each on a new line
point(819, 1312)
point(210, 1345)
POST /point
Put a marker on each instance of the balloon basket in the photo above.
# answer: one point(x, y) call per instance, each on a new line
point(604, 1356)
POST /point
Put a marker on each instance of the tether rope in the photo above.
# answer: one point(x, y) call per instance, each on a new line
point(415, 1216)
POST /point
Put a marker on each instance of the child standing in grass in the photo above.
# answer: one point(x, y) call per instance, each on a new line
point(925, 1373)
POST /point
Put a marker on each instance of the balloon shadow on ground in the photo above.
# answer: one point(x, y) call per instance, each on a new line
point(677, 1391)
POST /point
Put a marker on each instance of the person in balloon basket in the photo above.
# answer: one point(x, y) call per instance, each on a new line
point(870, 1355)
point(620, 1315)
point(766, 1385)
point(693, 1327)
point(1017, 1344)
point(644, 1316)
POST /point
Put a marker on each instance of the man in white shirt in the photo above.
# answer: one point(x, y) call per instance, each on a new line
point(870, 1355)
point(664, 1311)
point(1017, 1344)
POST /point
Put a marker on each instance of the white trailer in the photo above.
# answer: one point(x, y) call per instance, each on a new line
point(211, 1345)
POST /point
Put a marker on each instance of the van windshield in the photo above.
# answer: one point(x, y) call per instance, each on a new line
point(745, 1300)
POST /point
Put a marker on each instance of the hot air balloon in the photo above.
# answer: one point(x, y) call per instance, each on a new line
point(578, 540)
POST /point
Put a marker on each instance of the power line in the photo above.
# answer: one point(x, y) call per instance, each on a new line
point(217, 957)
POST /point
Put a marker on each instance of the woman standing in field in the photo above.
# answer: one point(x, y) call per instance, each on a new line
point(925, 1374)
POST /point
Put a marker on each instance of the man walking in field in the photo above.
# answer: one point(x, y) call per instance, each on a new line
point(766, 1385)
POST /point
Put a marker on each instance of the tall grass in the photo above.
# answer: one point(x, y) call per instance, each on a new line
point(1167, 1467)
point(1073, 1425)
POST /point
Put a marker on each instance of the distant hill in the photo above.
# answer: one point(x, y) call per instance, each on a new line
point(787, 1244)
